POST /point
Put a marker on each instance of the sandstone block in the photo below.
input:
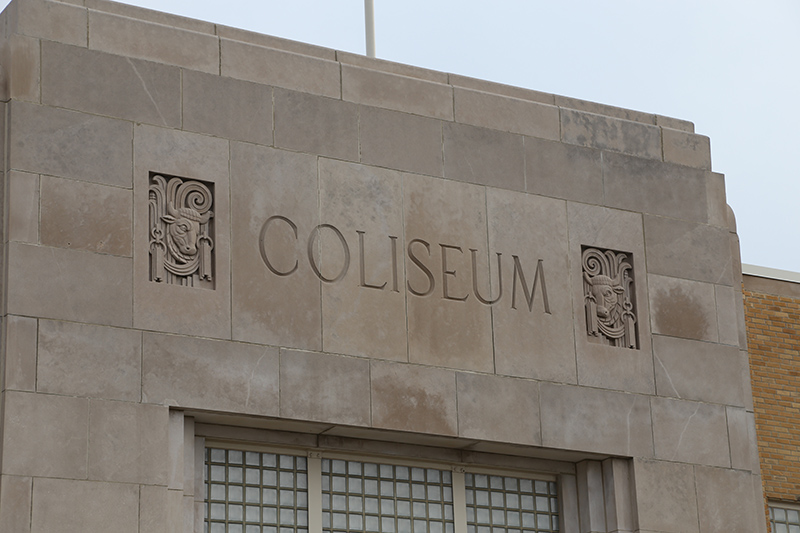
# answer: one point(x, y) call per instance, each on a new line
point(563, 171)
point(683, 308)
point(608, 133)
point(484, 156)
point(512, 91)
point(725, 501)
point(21, 61)
point(15, 503)
point(23, 207)
point(665, 496)
point(400, 141)
point(690, 432)
point(686, 148)
point(54, 21)
point(20, 356)
point(489, 110)
point(85, 506)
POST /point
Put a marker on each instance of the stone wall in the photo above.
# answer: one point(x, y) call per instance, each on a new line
point(375, 257)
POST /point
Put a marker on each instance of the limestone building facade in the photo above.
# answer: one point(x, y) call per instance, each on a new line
point(257, 285)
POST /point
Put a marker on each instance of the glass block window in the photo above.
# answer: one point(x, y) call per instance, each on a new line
point(502, 504)
point(784, 519)
point(253, 492)
point(383, 498)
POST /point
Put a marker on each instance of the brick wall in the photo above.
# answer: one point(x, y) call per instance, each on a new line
point(772, 313)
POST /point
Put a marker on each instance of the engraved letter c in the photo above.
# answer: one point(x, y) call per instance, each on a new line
point(263, 250)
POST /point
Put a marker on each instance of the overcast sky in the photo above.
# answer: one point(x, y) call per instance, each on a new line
point(731, 67)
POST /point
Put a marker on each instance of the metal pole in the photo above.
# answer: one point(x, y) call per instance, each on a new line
point(369, 20)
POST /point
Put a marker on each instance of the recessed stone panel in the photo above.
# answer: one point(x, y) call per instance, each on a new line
point(276, 296)
point(364, 313)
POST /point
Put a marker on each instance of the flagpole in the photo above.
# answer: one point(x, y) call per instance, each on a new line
point(369, 19)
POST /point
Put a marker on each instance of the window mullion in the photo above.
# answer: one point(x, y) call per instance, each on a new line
point(459, 501)
point(314, 492)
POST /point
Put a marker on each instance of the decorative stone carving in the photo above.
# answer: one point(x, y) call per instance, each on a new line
point(181, 226)
point(608, 290)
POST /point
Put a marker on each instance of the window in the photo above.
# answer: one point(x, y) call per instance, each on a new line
point(784, 518)
point(264, 492)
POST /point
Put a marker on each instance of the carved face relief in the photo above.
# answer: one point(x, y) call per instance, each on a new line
point(180, 231)
point(608, 297)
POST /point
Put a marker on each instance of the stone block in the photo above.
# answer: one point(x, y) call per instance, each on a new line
point(533, 338)
point(413, 398)
point(365, 312)
point(69, 144)
point(23, 207)
point(448, 326)
point(401, 141)
point(317, 125)
point(717, 201)
point(683, 308)
point(279, 68)
point(131, 89)
point(604, 109)
point(382, 65)
point(20, 356)
point(153, 508)
point(674, 123)
point(21, 61)
point(45, 19)
point(268, 307)
point(45, 435)
point(484, 156)
point(400, 93)
point(85, 506)
point(665, 496)
point(148, 15)
point(594, 420)
point(226, 107)
point(742, 435)
point(683, 249)
point(512, 91)
point(729, 300)
point(608, 133)
point(186, 372)
point(86, 216)
point(90, 361)
point(503, 113)
point(725, 501)
point(563, 171)
point(127, 442)
point(15, 504)
point(686, 148)
point(278, 43)
point(656, 188)
point(690, 432)
point(325, 388)
point(601, 364)
point(171, 307)
point(696, 370)
point(133, 37)
point(91, 287)
point(493, 408)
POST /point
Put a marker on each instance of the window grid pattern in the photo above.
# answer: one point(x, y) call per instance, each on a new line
point(382, 498)
point(501, 504)
point(252, 492)
point(784, 520)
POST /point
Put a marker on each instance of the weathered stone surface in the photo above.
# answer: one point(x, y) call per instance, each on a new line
point(15, 503)
point(729, 306)
point(506, 114)
point(536, 340)
point(86, 216)
point(484, 156)
point(23, 207)
point(90, 287)
point(279, 68)
point(391, 67)
point(192, 372)
point(686, 148)
point(317, 125)
point(604, 109)
point(149, 15)
point(85, 506)
point(127, 442)
point(270, 41)
point(447, 325)
point(54, 21)
point(607, 133)
point(401, 93)
point(131, 89)
point(665, 496)
point(21, 62)
point(563, 171)
point(283, 310)
point(74, 145)
point(493, 408)
point(365, 312)
point(683, 308)
point(20, 356)
point(413, 398)
point(592, 420)
point(91, 361)
point(155, 42)
point(225, 107)
point(742, 435)
point(696, 370)
point(325, 388)
point(725, 501)
point(401, 141)
point(675, 123)
point(690, 432)
point(45, 435)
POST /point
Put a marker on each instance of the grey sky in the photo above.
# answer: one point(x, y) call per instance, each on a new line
point(729, 67)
